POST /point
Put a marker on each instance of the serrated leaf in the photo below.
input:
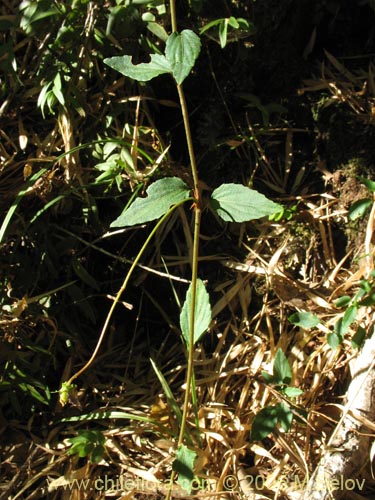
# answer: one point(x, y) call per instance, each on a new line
point(281, 369)
point(182, 50)
point(238, 203)
point(161, 195)
point(184, 465)
point(359, 208)
point(264, 423)
point(202, 316)
point(142, 72)
point(305, 320)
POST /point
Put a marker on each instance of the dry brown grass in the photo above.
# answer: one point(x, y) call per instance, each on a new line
point(230, 387)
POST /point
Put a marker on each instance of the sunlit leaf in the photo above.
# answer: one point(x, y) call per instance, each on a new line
point(238, 203)
point(343, 324)
point(202, 316)
point(182, 50)
point(284, 416)
point(292, 392)
point(142, 72)
point(281, 369)
point(343, 301)
point(334, 340)
point(304, 319)
point(161, 195)
point(184, 465)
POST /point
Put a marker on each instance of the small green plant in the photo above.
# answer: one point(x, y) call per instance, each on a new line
point(231, 202)
point(365, 297)
point(268, 419)
point(360, 207)
point(266, 110)
point(90, 444)
point(227, 29)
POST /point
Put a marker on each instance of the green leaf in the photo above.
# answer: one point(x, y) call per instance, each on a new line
point(182, 50)
point(268, 377)
point(305, 320)
point(184, 465)
point(369, 300)
point(343, 324)
point(284, 416)
point(210, 25)
point(359, 337)
point(233, 22)
point(142, 72)
point(238, 203)
point(83, 274)
point(223, 33)
point(202, 316)
point(88, 444)
point(168, 392)
point(359, 208)
point(292, 392)
point(264, 423)
point(368, 183)
point(161, 195)
point(343, 301)
point(281, 369)
point(334, 340)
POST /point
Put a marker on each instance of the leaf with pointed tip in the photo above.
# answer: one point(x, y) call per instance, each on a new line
point(161, 195)
point(202, 316)
point(182, 50)
point(184, 465)
point(142, 72)
point(281, 369)
point(238, 203)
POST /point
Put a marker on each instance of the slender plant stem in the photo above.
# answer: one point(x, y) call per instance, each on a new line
point(195, 256)
point(189, 140)
point(173, 16)
point(190, 363)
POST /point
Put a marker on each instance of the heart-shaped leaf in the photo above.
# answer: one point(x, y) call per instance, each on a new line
point(182, 50)
point(161, 195)
point(237, 203)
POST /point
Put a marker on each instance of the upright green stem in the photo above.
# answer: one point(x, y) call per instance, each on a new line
point(194, 277)
point(190, 361)
point(173, 16)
